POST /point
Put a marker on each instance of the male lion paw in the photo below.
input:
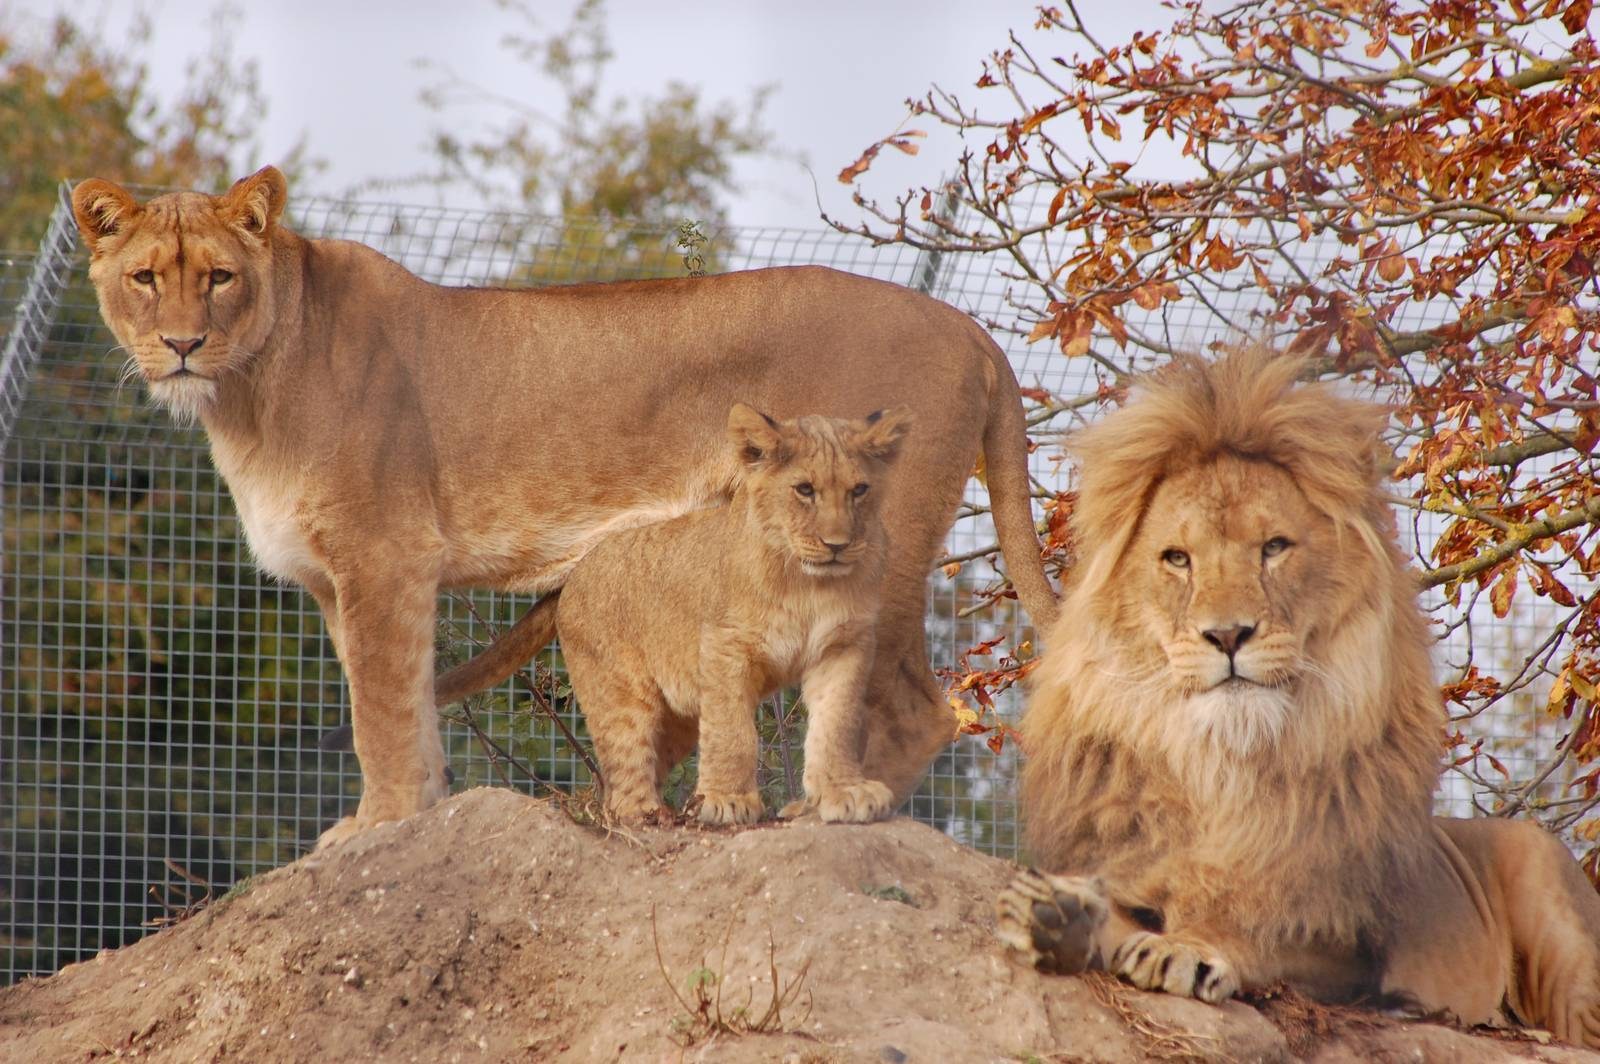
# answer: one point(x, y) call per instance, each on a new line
point(1052, 921)
point(1187, 969)
point(730, 807)
point(853, 803)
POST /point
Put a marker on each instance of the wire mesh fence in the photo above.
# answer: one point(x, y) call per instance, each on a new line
point(162, 703)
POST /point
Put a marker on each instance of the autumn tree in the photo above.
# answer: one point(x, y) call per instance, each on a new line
point(1407, 192)
point(73, 105)
point(617, 170)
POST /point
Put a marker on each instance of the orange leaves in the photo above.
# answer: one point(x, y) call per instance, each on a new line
point(904, 142)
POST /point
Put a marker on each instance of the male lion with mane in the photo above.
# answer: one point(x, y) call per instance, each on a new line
point(384, 437)
point(1233, 746)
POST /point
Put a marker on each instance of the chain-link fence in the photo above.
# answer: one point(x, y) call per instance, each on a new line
point(161, 703)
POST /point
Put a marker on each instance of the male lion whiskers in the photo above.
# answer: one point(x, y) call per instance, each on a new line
point(1233, 746)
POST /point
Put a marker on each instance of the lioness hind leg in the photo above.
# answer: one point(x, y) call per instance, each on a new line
point(1053, 922)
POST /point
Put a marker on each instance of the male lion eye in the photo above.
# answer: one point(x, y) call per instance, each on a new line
point(804, 490)
point(859, 490)
point(145, 277)
point(1275, 546)
point(1176, 558)
point(220, 277)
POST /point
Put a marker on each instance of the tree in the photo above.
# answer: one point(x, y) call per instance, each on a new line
point(1408, 192)
point(609, 170)
point(73, 106)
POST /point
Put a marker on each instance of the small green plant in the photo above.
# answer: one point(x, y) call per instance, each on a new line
point(702, 1014)
point(891, 892)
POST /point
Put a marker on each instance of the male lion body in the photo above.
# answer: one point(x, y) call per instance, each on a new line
point(1233, 748)
point(676, 630)
point(383, 437)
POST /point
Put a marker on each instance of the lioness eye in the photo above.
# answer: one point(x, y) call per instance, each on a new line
point(1176, 558)
point(804, 490)
point(220, 277)
point(145, 277)
point(859, 490)
point(1275, 546)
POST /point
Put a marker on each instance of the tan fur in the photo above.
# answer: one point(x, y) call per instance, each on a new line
point(1274, 825)
point(686, 625)
point(383, 437)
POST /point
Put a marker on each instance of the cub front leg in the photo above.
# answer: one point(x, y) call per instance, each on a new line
point(383, 625)
point(729, 745)
point(835, 787)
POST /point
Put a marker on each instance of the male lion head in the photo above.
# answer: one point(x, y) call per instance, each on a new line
point(815, 484)
point(1237, 563)
point(184, 281)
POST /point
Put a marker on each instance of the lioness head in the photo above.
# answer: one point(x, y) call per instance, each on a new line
point(816, 483)
point(1226, 518)
point(184, 281)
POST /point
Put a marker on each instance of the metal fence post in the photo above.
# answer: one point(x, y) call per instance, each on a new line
point(31, 326)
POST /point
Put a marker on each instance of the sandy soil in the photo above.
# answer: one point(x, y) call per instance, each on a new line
point(494, 928)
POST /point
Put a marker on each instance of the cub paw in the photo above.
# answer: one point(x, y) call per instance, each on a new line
point(1052, 922)
point(1186, 969)
point(855, 803)
point(641, 812)
point(345, 828)
point(729, 807)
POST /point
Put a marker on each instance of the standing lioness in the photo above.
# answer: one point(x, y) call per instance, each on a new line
point(384, 437)
point(682, 627)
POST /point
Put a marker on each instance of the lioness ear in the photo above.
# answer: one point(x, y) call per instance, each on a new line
point(101, 208)
point(254, 204)
point(880, 433)
point(756, 438)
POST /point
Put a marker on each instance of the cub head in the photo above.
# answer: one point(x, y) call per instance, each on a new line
point(815, 484)
point(1237, 547)
point(184, 281)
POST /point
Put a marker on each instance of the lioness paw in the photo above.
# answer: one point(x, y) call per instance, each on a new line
point(1052, 921)
point(1187, 969)
point(718, 807)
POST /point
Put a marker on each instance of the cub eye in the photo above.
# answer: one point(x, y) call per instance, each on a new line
point(145, 277)
point(220, 277)
point(859, 490)
point(1176, 558)
point(804, 490)
point(1275, 546)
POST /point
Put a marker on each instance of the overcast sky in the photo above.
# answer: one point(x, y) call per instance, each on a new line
point(343, 73)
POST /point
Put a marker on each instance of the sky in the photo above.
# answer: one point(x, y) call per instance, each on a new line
point(346, 78)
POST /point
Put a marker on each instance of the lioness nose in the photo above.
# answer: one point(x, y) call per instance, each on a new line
point(1229, 640)
point(183, 348)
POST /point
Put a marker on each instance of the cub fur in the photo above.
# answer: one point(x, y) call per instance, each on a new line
point(384, 438)
point(1233, 749)
point(699, 618)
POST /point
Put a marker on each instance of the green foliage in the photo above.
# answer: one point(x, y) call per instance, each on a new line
point(74, 106)
point(618, 171)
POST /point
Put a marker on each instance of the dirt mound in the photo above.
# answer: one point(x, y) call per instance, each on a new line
point(494, 928)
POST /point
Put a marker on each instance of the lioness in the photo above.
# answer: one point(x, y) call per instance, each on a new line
point(1233, 747)
point(384, 437)
point(704, 615)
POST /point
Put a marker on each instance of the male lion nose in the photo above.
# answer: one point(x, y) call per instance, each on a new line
point(836, 547)
point(1229, 640)
point(183, 348)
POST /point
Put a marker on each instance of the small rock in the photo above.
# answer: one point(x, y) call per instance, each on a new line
point(891, 1055)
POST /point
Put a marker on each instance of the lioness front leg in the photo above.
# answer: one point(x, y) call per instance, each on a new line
point(834, 784)
point(385, 641)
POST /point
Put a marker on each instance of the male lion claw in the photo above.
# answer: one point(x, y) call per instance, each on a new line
point(1157, 962)
point(1052, 921)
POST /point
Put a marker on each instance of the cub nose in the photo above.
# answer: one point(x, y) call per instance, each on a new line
point(1229, 640)
point(183, 348)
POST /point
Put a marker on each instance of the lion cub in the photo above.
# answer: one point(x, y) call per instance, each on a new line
point(677, 630)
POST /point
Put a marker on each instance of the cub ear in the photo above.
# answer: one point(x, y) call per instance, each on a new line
point(102, 209)
point(756, 438)
point(880, 433)
point(254, 204)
